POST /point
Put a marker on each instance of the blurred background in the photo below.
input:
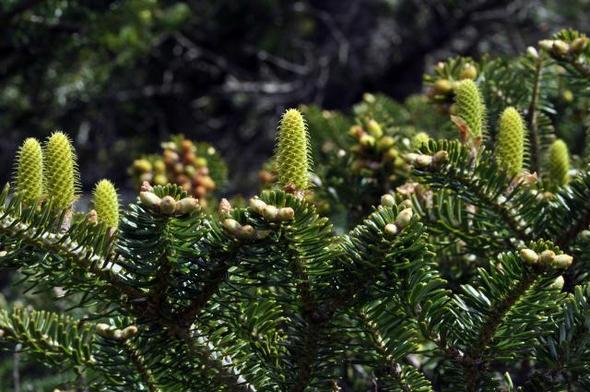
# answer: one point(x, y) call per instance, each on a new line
point(121, 76)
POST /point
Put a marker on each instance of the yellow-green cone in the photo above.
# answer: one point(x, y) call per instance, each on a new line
point(29, 170)
point(558, 163)
point(61, 174)
point(510, 143)
point(106, 203)
point(292, 153)
point(470, 106)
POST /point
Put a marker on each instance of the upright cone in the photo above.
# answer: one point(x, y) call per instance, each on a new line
point(558, 164)
point(470, 107)
point(510, 142)
point(292, 152)
point(106, 203)
point(61, 173)
point(29, 170)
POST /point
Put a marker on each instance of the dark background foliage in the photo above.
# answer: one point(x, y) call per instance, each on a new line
point(120, 76)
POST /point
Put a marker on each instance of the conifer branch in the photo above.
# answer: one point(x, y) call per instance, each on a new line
point(223, 376)
point(391, 363)
point(71, 251)
point(138, 362)
point(312, 328)
point(473, 361)
point(531, 117)
point(214, 278)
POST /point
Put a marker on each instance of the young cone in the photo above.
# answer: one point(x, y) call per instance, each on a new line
point(558, 163)
point(292, 153)
point(61, 174)
point(470, 107)
point(106, 203)
point(510, 142)
point(29, 170)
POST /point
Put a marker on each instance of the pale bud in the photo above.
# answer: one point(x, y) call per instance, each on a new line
point(257, 205)
point(579, 44)
point(286, 214)
point(92, 217)
point(562, 261)
point(560, 48)
point(546, 44)
point(224, 207)
point(187, 206)
point(390, 230)
point(546, 257)
point(246, 232)
point(532, 52)
point(558, 283)
point(149, 199)
point(439, 159)
point(167, 205)
point(231, 225)
point(129, 332)
point(423, 161)
point(387, 200)
point(270, 213)
point(529, 256)
point(146, 187)
point(404, 218)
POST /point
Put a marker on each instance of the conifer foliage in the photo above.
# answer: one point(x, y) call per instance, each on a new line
point(468, 272)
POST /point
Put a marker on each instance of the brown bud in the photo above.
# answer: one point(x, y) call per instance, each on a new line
point(208, 183)
point(200, 191)
point(186, 145)
point(266, 177)
point(170, 157)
